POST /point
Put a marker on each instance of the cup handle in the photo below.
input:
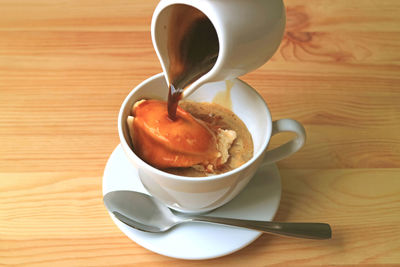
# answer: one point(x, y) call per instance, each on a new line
point(291, 147)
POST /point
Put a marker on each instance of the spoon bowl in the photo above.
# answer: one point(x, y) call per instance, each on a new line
point(146, 213)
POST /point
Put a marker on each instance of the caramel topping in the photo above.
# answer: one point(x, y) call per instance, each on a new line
point(165, 143)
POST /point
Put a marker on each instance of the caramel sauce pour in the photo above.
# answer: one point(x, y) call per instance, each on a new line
point(193, 49)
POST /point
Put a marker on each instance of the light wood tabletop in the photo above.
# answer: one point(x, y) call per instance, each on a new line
point(66, 66)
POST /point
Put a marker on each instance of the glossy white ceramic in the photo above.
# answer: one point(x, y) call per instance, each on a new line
point(197, 241)
point(196, 195)
point(249, 33)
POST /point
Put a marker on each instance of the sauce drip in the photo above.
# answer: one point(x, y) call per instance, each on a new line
point(223, 98)
point(193, 49)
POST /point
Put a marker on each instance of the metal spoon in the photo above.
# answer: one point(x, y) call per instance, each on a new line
point(146, 213)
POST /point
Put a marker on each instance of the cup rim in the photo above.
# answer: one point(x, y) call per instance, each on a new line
point(141, 162)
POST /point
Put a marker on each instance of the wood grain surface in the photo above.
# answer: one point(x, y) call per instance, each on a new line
point(66, 66)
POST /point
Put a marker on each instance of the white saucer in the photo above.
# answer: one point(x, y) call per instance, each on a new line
point(197, 241)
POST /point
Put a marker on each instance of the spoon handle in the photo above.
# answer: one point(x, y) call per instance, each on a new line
point(302, 230)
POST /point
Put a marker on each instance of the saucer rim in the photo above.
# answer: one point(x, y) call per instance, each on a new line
point(127, 230)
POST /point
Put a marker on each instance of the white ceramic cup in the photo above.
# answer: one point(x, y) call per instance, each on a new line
point(201, 194)
point(249, 32)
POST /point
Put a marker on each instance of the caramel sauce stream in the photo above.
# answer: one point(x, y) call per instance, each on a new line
point(193, 49)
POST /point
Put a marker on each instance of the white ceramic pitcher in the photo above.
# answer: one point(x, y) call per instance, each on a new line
point(249, 32)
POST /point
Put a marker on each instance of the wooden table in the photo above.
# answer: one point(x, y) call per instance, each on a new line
point(66, 66)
